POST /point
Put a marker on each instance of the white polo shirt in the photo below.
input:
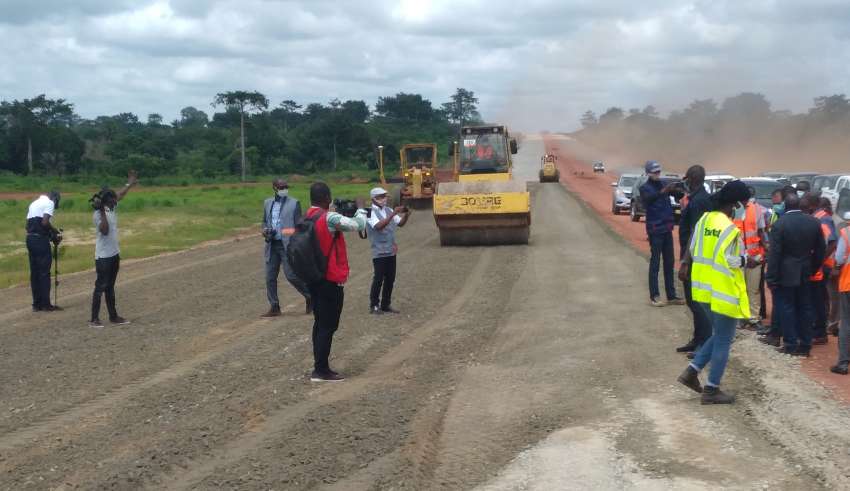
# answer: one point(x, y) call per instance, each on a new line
point(40, 207)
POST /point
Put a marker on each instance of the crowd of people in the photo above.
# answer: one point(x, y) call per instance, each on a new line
point(321, 228)
point(739, 258)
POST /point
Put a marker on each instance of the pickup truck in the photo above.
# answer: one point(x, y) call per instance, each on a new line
point(843, 182)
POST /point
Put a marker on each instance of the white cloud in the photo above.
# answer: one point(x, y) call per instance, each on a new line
point(535, 64)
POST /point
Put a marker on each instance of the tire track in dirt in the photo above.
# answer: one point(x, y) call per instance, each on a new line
point(381, 370)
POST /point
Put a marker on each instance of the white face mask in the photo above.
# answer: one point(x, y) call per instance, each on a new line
point(382, 202)
point(283, 193)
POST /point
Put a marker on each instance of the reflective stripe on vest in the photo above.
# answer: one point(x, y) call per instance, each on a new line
point(829, 261)
point(713, 281)
point(749, 227)
point(844, 279)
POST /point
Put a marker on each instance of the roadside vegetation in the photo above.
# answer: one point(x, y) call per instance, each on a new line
point(151, 222)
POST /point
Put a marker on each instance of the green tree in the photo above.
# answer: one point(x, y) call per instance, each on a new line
point(462, 107)
point(406, 107)
point(192, 117)
point(244, 102)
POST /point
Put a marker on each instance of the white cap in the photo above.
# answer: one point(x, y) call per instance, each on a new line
point(377, 192)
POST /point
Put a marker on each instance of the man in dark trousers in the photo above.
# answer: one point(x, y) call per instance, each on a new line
point(797, 250)
point(659, 227)
point(40, 233)
point(698, 203)
point(382, 225)
point(280, 215)
point(327, 294)
point(106, 253)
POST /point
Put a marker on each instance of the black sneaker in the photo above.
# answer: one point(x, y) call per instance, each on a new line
point(770, 341)
point(308, 308)
point(713, 395)
point(390, 310)
point(52, 308)
point(690, 379)
point(328, 376)
point(118, 320)
point(375, 310)
point(95, 323)
point(691, 346)
point(840, 369)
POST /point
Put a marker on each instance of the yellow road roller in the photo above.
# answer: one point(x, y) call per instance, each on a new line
point(484, 205)
point(548, 171)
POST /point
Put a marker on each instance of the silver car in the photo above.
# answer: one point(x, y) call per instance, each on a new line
point(621, 199)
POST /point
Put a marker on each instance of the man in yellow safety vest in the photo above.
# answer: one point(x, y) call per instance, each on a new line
point(715, 262)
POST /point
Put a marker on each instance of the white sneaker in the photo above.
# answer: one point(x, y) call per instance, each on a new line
point(655, 302)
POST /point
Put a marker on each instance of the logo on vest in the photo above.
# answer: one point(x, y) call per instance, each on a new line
point(712, 232)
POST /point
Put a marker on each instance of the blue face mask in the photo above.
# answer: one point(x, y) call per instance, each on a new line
point(780, 208)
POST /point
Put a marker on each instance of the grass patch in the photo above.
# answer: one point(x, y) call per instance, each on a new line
point(150, 223)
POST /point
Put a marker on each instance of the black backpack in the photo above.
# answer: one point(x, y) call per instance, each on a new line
point(304, 254)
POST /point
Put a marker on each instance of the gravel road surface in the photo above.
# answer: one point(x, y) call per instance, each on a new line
point(514, 367)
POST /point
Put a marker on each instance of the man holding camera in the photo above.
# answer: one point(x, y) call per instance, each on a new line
point(280, 215)
point(40, 234)
point(382, 224)
point(106, 254)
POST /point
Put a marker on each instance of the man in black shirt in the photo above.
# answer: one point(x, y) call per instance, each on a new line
point(698, 202)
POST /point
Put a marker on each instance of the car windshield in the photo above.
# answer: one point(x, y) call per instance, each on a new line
point(764, 189)
point(419, 156)
point(627, 181)
point(483, 153)
point(796, 179)
point(821, 182)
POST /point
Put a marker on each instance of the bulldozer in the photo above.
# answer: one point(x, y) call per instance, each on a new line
point(484, 205)
point(548, 171)
point(418, 177)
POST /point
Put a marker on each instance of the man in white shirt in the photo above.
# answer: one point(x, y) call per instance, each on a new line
point(40, 233)
point(382, 224)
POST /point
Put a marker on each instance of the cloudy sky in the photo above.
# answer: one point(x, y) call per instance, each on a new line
point(535, 64)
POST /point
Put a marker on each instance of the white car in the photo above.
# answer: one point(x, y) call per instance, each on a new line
point(843, 182)
point(713, 182)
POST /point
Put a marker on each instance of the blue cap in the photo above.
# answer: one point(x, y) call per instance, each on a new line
point(652, 167)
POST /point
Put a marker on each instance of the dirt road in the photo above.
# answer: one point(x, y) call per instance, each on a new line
point(537, 367)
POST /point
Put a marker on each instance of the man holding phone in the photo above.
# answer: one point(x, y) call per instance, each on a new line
point(382, 224)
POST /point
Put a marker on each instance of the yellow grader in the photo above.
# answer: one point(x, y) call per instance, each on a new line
point(418, 176)
point(484, 206)
point(548, 171)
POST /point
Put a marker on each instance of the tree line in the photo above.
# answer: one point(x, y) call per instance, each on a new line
point(741, 134)
point(245, 135)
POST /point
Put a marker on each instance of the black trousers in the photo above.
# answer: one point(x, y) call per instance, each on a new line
point(38, 248)
point(327, 307)
point(820, 305)
point(107, 273)
point(702, 324)
point(384, 278)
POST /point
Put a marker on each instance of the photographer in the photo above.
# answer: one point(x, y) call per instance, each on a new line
point(106, 254)
point(382, 225)
point(327, 294)
point(280, 215)
point(40, 233)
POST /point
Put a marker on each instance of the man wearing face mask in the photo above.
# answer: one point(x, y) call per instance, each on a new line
point(750, 221)
point(382, 225)
point(797, 250)
point(715, 260)
point(659, 227)
point(280, 215)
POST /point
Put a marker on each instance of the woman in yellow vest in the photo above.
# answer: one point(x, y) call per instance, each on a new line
point(842, 261)
point(715, 261)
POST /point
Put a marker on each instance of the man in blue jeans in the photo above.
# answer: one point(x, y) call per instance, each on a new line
point(659, 227)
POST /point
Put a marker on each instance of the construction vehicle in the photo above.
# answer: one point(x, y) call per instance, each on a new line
point(418, 176)
point(484, 206)
point(548, 171)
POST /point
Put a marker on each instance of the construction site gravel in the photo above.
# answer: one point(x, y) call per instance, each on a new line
point(511, 367)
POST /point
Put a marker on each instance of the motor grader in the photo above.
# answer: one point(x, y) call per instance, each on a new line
point(418, 175)
point(484, 206)
point(548, 171)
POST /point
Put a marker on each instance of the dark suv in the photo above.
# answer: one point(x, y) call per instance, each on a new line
point(637, 210)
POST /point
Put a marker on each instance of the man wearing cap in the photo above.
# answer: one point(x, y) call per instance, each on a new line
point(715, 260)
point(659, 227)
point(280, 215)
point(40, 233)
point(382, 225)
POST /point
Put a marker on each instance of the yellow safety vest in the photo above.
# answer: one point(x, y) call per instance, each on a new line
point(713, 281)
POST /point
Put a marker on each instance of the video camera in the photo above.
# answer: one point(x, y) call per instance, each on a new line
point(98, 199)
point(346, 207)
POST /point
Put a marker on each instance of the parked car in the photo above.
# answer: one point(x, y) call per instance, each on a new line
point(764, 187)
point(621, 196)
point(802, 176)
point(598, 166)
point(713, 182)
point(824, 182)
point(636, 210)
point(779, 176)
point(832, 194)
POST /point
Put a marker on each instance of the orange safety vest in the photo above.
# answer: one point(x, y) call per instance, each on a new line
point(829, 261)
point(750, 232)
point(844, 278)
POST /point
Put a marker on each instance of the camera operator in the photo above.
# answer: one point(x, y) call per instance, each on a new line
point(106, 254)
point(327, 294)
point(382, 225)
point(40, 233)
point(280, 215)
